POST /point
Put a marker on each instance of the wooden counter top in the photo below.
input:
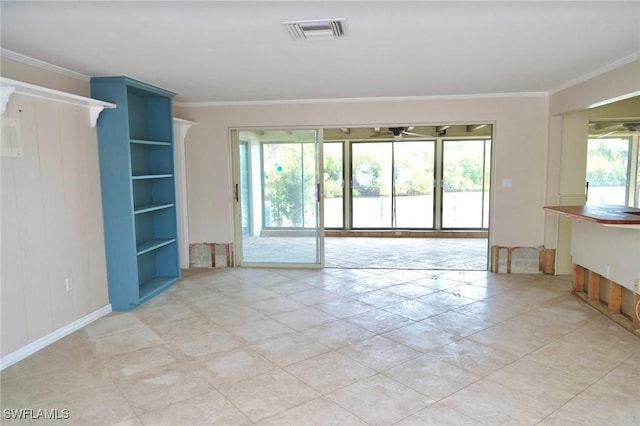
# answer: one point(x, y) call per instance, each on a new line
point(604, 214)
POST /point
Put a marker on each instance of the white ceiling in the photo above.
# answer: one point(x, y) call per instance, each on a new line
point(239, 51)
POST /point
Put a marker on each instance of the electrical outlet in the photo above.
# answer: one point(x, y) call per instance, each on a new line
point(68, 284)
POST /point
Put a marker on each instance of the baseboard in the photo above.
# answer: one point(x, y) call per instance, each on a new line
point(52, 337)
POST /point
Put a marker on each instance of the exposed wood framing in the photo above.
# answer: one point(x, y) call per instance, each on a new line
point(229, 252)
point(593, 291)
point(613, 309)
point(548, 261)
point(496, 258)
point(228, 248)
point(615, 298)
point(578, 278)
point(509, 257)
point(636, 308)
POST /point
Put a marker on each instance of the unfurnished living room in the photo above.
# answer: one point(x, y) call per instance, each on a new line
point(320, 212)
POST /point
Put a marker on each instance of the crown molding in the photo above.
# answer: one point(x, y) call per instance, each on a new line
point(19, 57)
point(610, 67)
point(363, 99)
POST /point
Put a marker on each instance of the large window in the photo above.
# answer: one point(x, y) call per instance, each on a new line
point(369, 182)
point(608, 171)
point(392, 184)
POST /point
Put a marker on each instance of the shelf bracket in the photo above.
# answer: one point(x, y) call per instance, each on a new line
point(9, 87)
point(6, 92)
point(94, 113)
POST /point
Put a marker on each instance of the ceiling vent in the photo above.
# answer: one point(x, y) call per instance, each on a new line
point(320, 29)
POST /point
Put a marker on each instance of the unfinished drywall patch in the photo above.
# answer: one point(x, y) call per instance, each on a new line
point(518, 260)
point(210, 255)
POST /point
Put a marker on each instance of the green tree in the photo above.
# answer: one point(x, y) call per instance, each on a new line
point(332, 176)
point(607, 162)
point(289, 190)
point(366, 177)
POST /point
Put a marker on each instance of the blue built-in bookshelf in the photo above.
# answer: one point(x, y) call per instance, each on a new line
point(138, 190)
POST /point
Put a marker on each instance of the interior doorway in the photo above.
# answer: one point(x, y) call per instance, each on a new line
point(277, 190)
point(414, 197)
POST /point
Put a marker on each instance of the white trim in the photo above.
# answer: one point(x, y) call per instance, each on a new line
point(180, 129)
point(10, 87)
point(610, 67)
point(183, 121)
point(616, 99)
point(28, 60)
point(5, 93)
point(52, 337)
point(372, 99)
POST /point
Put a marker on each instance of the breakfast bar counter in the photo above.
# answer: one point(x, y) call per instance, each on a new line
point(603, 214)
point(605, 246)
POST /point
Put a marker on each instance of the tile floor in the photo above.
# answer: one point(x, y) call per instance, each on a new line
point(365, 252)
point(407, 253)
point(341, 347)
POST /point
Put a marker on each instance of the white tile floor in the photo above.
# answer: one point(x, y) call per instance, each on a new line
point(379, 253)
point(341, 347)
point(467, 254)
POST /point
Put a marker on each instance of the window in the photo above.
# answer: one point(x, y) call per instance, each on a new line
point(609, 172)
point(333, 185)
point(465, 184)
point(393, 182)
point(288, 171)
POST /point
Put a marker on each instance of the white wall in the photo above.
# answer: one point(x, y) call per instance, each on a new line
point(616, 83)
point(520, 153)
point(570, 115)
point(51, 223)
point(613, 253)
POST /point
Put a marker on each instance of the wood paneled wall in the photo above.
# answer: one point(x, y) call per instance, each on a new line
point(51, 223)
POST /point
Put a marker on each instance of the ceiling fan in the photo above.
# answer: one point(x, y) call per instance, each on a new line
point(605, 129)
point(399, 132)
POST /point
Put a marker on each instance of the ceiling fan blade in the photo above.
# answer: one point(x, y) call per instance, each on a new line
point(416, 134)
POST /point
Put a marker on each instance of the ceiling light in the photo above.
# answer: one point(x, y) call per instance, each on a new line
point(319, 29)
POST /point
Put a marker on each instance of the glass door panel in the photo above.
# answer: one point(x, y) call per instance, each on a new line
point(333, 185)
point(413, 184)
point(245, 186)
point(637, 197)
point(371, 184)
point(280, 179)
point(464, 187)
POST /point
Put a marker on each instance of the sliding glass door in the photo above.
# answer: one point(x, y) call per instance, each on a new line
point(277, 194)
point(393, 182)
point(413, 182)
point(465, 184)
point(333, 184)
point(371, 184)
